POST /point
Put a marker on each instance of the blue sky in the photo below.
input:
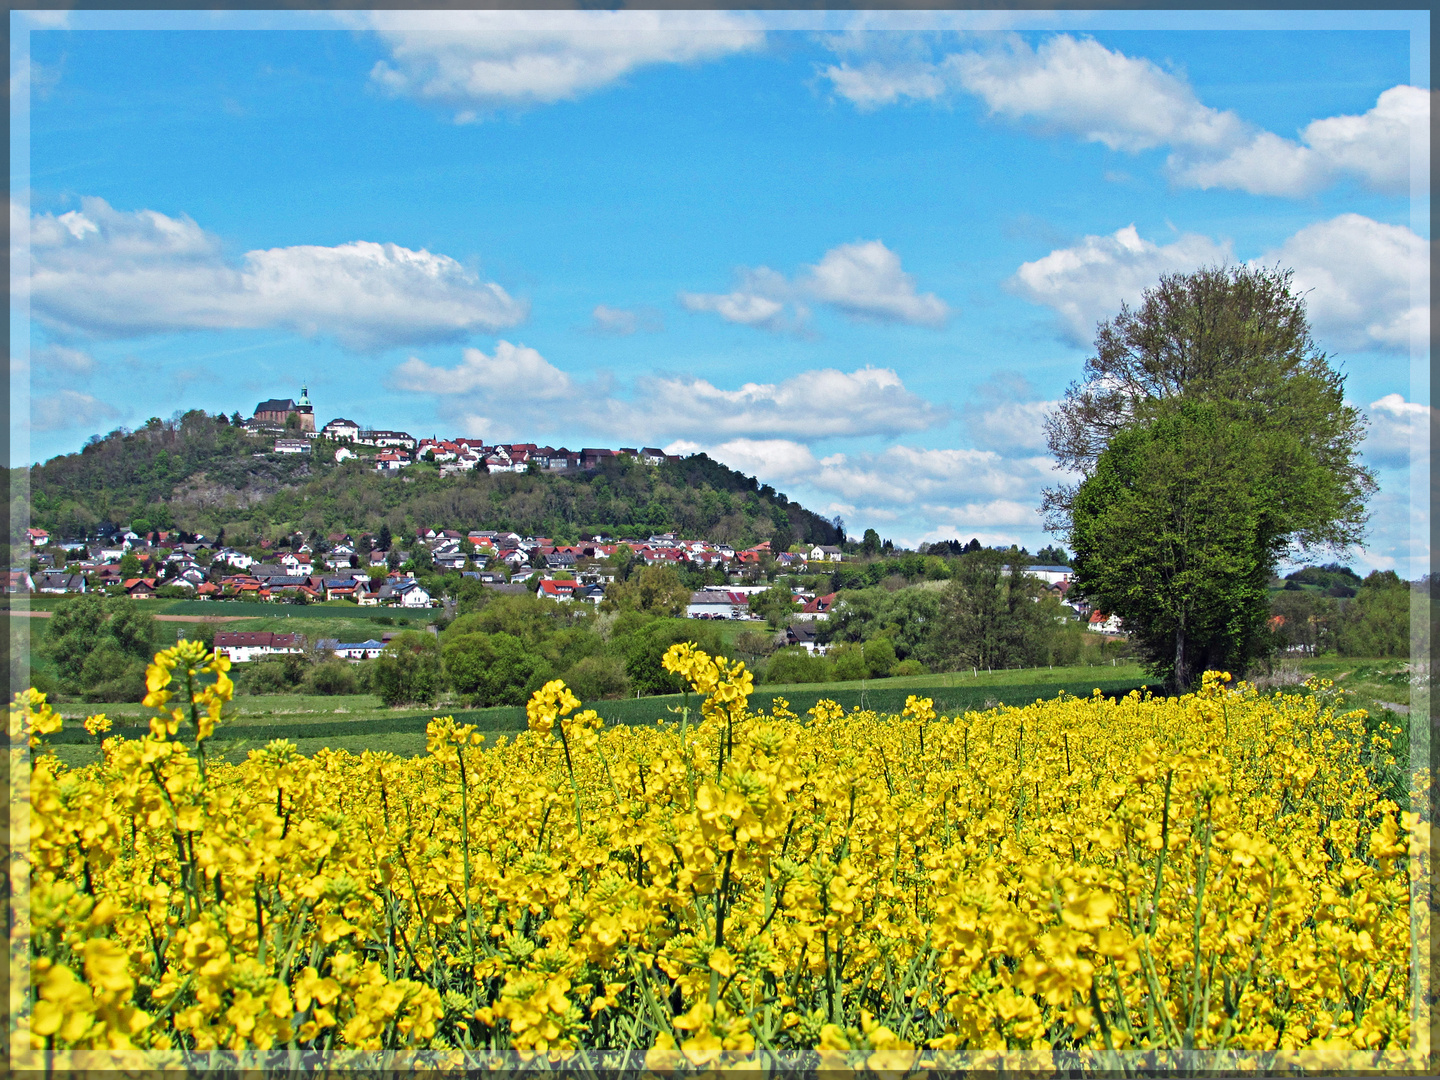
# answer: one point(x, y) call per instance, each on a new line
point(858, 255)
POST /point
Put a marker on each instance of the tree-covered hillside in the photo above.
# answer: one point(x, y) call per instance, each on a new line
point(200, 473)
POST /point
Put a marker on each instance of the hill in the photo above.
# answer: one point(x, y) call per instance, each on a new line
point(200, 473)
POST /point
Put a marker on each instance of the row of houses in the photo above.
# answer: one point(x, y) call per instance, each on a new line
point(734, 603)
point(460, 455)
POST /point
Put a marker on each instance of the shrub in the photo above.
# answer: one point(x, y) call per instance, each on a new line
point(332, 677)
point(795, 665)
point(597, 678)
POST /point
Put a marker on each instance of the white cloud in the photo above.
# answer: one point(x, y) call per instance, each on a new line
point(68, 409)
point(896, 477)
point(477, 60)
point(983, 515)
point(1399, 433)
point(1385, 148)
point(64, 360)
point(1011, 428)
point(862, 280)
point(749, 306)
point(811, 405)
point(918, 495)
point(1079, 87)
point(105, 272)
point(1358, 275)
point(1086, 283)
point(623, 322)
point(872, 85)
point(515, 371)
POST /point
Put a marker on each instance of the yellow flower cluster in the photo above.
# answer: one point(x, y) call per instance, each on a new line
point(1213, 882)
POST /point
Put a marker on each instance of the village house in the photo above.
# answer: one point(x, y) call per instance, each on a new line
point(1051, 575)
point(411, 594)
point(243, 646)
point(387, 439)
point(557, 590)
point(818, 608)
point(803, 635)
point(354, 652)
point(1105, 624)
point(718, 604)
point(59, 581)
point(341, 430)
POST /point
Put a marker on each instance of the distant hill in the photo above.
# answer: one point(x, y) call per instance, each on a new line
point(201, 474)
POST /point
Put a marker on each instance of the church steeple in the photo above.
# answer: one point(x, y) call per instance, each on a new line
point(304, 395)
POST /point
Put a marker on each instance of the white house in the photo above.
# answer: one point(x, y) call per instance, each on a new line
point(341, 429)
point(718, 604)
point(412, 595)
point(238, 559)
point(243, 646)
point(353, 651)
point(389, 438)
point(1051, 575)
point(58, 581)
point(1105, 624)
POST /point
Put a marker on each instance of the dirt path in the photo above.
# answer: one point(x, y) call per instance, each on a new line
point(160, 618)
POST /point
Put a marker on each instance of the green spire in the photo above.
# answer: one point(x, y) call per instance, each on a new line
point(304, 395)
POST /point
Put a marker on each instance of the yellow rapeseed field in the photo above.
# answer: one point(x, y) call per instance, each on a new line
point(1209, 882)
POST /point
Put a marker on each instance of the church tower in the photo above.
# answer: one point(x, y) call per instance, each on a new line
point(305, 409)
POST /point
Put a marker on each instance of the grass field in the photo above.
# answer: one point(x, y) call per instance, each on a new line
point(330, 609)
point(359, 722)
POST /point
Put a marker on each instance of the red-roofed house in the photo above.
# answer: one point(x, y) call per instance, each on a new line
point(819, 608)
point(556, 590)
point(140, 588)
point(245, 645)
point(1105, 624)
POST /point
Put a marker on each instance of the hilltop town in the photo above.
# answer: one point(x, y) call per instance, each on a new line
point(284, 419)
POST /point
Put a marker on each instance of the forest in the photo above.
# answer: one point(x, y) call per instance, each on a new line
point(202, 473)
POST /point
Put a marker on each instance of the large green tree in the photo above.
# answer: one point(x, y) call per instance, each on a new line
point(1212, 438)
point(775, 605)
point(409, 670)
point(992, 614)
point(657, 590)
point(100, 647)
point(1377, 621)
